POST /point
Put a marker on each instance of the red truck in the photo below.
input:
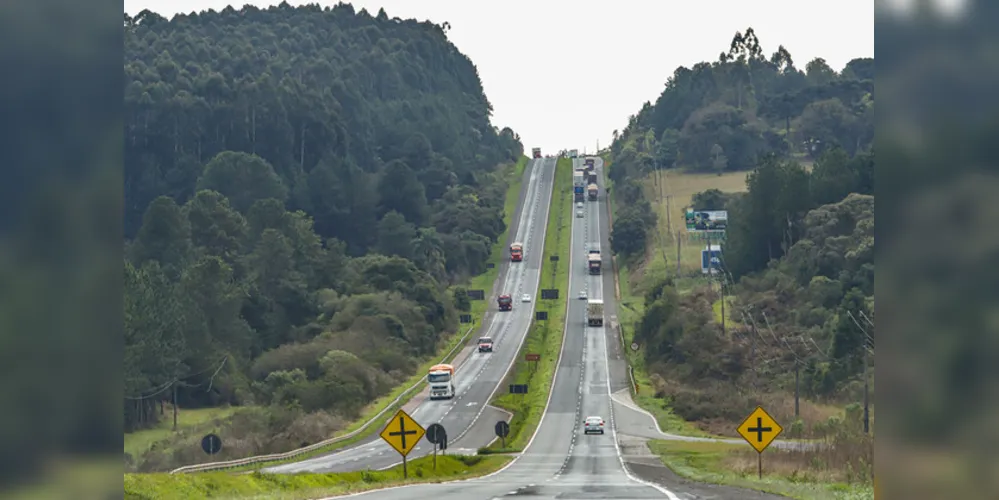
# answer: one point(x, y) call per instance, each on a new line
point(505, 302)
point(517, 252)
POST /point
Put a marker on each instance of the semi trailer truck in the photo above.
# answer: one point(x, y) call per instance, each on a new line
point(592, 192)
point(595, 312)
point(517, 252)
point(440, 378)
point(593, 263)
point(505, 302)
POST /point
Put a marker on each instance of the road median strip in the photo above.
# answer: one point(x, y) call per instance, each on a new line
point(543, 337)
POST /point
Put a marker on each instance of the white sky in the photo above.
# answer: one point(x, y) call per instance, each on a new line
point(564, 74)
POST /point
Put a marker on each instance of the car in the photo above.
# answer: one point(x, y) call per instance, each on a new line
point(485, 344)
point(525, 298)
point(582, 295)
point(579, 205)
point(579, 214)
point(593, 424)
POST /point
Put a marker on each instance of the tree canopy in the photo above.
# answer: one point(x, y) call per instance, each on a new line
point(301, 186)
point(799, 242)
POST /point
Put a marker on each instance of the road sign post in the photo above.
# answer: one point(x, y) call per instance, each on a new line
point(502, 431)
point(533, 359)
point(403, 434)
point(759, 430)
point(436, 435)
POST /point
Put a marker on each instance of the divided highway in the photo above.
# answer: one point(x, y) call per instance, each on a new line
point(560, 461)
point(467, 418)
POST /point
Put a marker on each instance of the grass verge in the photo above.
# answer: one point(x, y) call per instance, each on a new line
point(784, 473)
point(544, 337)
point(188, 420)
point(483, 281)
point(223, 485)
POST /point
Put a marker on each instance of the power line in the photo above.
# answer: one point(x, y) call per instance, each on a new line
point(167, 385)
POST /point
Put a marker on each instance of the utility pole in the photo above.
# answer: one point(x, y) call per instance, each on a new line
point(175, 406)
point(867, 414)
point(797, 370)
point(678, 253)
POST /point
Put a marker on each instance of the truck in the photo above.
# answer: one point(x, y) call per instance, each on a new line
point(593, 263)
point(595, 312)
point(536, 152)
point(440, 378)
point(578, 194)
point(517, 252)
point(591, 177)
point(592, 190)
point(578, 179)
point(589, 163)
point(573, 153)
point(505, 302)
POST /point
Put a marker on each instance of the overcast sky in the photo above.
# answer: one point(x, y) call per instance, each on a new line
point(565, 74)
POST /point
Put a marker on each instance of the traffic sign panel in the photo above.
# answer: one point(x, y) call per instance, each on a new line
point(502, 429)
point(211, 443)
point(436, 433)
point(402, 433)
point(759, 429)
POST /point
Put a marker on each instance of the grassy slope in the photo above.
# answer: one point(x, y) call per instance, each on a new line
point(303, 486)
point(188, 420)
point(732, 465)
point(544, 337)
point(483, 281)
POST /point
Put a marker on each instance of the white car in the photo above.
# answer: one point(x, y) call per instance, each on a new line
point(582, 295)
point(579, 205)
point(525, 298)
point(593, 424)
point(579, 214)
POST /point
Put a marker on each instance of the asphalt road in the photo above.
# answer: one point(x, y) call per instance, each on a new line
point(477, 374)
point(559, 461)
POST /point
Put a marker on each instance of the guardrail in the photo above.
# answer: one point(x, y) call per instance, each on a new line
point(274, 457)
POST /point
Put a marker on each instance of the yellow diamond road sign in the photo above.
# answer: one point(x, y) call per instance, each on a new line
point(759, 429)
point(403, 433)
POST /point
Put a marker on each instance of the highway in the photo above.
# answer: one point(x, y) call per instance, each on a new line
point(467, 418)
point(559, 461)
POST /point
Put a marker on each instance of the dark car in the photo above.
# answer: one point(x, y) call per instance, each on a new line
point(485, 344)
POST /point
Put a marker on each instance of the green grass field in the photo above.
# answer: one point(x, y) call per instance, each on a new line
point(259, 486)
point(544, 337)
point(736, 465)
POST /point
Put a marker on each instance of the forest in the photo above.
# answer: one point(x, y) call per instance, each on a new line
point(799, 249)
point(302, 186)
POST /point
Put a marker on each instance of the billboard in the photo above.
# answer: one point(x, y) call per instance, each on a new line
point(711, 259)
point(706, 220)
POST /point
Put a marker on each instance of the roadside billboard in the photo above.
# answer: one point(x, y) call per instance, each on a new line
point(706, 220)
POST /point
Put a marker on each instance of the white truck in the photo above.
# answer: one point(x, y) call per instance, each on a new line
point(595, 312)
point(440, 378)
